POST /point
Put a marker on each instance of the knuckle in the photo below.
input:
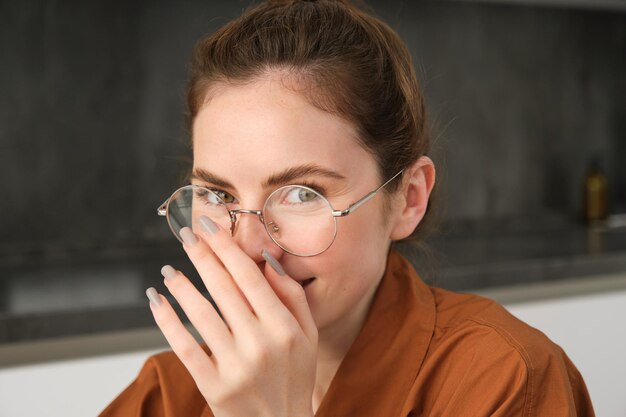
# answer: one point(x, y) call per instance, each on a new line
point(165, 319)
point(258, 357)
point(199, 312)
point(221, 242)
point(255, 282)
point(245, 379)
point(203, 256)
point(186, 353)
point(220, 286)
point(297, 292)
point(287, 338)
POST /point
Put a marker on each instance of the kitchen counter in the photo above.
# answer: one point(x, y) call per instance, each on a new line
point(477, 255)
point(99, 299)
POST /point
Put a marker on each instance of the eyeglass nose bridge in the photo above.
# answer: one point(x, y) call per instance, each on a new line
point(234, 213)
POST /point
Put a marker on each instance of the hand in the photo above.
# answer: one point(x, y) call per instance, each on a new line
point(263, 353)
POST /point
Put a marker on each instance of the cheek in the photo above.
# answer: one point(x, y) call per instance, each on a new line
point(362, 231)
point(348, 270)
point(358, 254)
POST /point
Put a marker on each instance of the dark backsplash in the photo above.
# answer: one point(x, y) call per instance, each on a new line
point(92, 135)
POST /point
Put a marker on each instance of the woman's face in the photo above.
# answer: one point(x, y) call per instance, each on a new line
point(245, 135)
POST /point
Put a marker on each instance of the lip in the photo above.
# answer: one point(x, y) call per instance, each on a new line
point(306, 282)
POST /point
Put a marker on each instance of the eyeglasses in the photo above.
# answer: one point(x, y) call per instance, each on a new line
point(297, 218)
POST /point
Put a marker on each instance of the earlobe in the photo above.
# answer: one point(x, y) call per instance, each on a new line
point(411, 205)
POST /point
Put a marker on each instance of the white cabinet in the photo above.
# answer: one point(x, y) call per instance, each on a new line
point(74, 388)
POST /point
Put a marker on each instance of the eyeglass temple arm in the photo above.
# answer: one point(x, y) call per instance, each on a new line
point(359, 203)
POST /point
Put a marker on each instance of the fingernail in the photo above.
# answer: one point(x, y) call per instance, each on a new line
point(168, 272)
point(153, 296)
point(273, 262)
point(188, 237)
point(209, 225)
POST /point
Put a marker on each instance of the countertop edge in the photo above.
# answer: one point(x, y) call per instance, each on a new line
point(560, 289)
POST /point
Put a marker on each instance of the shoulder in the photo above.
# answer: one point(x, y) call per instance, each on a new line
point(479, 316)
point(483, 358)
point(466, 317)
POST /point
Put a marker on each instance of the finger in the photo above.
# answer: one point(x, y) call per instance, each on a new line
point(229, 298)
point(243, 269)
point(200, 312)
point(292, 296)
point(184, 345)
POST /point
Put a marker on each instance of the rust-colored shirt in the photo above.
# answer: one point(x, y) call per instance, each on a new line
point(422, 351)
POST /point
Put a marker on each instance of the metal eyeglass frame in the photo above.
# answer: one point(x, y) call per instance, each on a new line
point(162, 210)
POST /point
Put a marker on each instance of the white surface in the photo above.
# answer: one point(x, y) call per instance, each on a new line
point(76, 388)
point(589, 328)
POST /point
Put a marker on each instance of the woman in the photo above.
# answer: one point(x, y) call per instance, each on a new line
point(308, 117)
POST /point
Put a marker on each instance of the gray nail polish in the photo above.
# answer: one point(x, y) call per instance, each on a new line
point(208, 224)
point(188, 236)
point(273, 262)
point(168, 272)
point(153, 296)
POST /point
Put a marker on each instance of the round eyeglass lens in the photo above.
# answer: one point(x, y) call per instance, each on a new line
point(188, 203)
point(300, 220)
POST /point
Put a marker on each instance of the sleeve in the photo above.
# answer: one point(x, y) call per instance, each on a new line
point(482, 371)
point(163, 388)
point(582, 400)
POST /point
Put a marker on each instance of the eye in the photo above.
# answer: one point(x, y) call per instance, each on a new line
point(226, 197)
point(300, 195)
point(214, 197)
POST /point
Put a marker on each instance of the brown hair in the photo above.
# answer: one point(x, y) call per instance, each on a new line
point(354, 65)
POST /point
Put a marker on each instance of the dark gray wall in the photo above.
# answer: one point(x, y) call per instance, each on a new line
point(91, 110)
point(530, 95)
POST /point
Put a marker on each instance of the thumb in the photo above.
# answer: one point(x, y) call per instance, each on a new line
point(291, 294)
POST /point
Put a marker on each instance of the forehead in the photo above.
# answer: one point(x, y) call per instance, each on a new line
point(262, 127)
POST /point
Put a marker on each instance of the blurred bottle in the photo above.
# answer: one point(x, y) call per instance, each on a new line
point(596, 193)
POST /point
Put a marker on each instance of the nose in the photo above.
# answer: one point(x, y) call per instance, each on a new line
point(252, 238)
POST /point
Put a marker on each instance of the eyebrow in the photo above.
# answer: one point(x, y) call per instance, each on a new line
point(287, 176)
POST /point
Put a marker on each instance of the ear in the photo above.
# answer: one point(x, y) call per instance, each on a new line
point(412, 200)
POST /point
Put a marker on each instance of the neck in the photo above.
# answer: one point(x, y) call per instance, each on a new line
point(334, 342)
